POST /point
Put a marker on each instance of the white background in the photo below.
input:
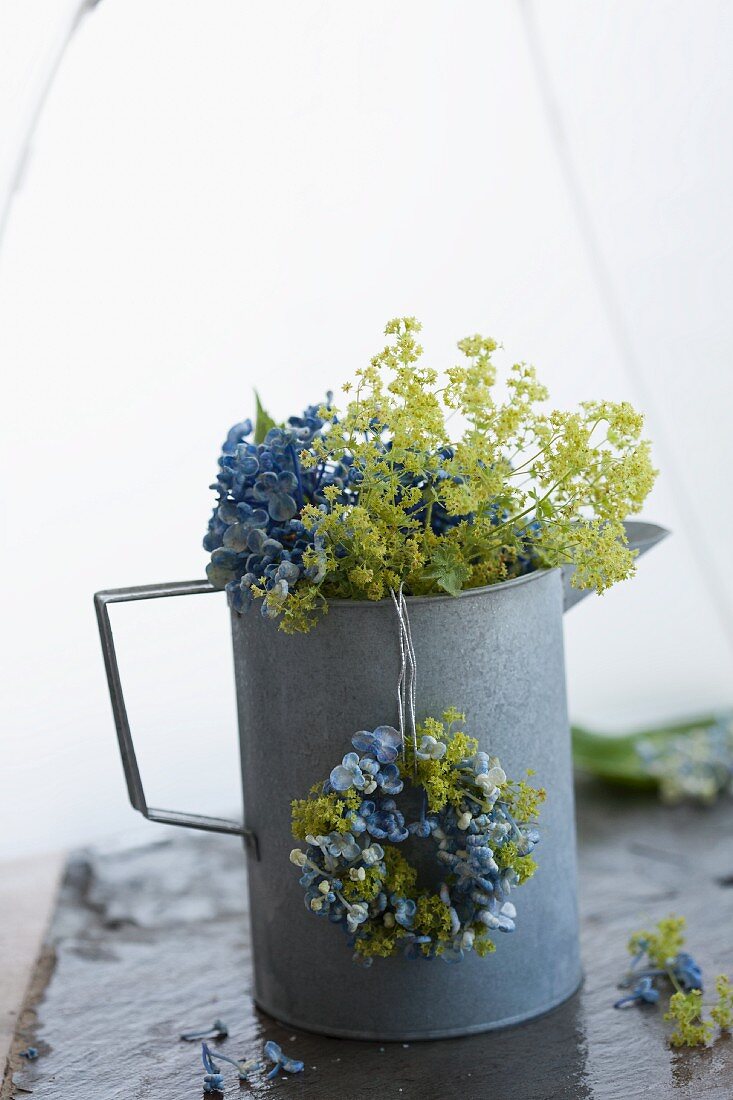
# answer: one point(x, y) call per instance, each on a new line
point(230, 194)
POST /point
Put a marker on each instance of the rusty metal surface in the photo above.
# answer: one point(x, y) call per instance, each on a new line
point(154, 940)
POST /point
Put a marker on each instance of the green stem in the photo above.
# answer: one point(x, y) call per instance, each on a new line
point(342, 899)
point(674, 981)
point(532, 508)
point(529, 461)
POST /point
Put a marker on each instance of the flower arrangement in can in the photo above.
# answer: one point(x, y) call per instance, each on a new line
point(421, 483)
point(353, 503)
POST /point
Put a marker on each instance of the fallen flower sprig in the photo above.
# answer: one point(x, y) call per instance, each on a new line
point(275, 1054)
point(213, 1078)
point(218, 1030)
point(244, 1067)
point(644, 992)
point(690, 761)
point(658, 957)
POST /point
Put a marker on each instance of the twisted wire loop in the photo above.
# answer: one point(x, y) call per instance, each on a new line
point(407, 682)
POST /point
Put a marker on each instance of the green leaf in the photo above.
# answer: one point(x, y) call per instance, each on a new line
point(264, 421)
point(448, 570)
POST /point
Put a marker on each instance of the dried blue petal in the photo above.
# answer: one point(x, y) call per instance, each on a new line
point(213, 1077)
point(687, 972)
point(213, 1082)
point(274, 1052)
point(389, 780)
point(235, 436)
point(245, 1067)
point(644, 993)
point(404, 911)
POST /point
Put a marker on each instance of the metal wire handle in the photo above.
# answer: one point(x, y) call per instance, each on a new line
point(122, 724)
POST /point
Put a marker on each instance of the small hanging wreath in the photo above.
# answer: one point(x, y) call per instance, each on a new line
point(481, 825)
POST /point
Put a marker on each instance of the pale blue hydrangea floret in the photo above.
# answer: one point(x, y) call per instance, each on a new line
point(343, 845)
point(348, 774)
point(369, 772)
point(404, 910)
point(385, 743)
point(356, 915)
point(278, 491)
point(319, 901)
point(387, 823)
point(247, 527)
point(357, 819)
point(372, 855)
point(388, 779)
point(431, 749)
point(425, 826)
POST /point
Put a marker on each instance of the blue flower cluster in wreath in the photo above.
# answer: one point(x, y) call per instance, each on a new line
point(466, 840)
point(254, 535)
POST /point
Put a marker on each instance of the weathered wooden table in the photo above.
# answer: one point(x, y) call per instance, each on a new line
point(145, 943)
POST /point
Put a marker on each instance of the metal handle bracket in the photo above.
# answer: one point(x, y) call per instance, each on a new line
point(122, 724)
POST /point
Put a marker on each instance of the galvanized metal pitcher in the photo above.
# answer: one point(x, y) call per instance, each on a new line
point(495, 653)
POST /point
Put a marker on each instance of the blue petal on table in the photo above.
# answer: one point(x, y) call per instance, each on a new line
point(275, 1054)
